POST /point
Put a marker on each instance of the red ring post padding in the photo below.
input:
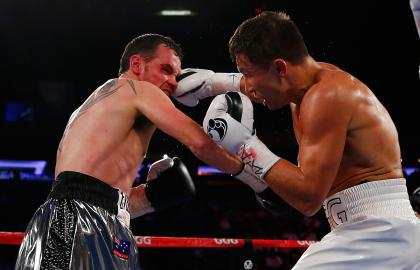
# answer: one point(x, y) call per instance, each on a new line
point(15, 238)
point(11, 238)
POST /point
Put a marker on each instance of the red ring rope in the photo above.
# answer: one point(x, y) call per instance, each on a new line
point(15, 238)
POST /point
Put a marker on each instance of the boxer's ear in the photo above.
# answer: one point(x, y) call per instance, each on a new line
point(280, 66)
point(137, 64)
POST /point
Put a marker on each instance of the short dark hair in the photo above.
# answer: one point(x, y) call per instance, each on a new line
point(268, 36)
point(146, 45)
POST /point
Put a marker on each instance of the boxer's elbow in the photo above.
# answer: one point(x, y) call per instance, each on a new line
point(309, 210)
point(310, 205)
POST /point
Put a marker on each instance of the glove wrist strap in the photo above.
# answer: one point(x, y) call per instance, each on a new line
point(257, 157)
point(247, 177)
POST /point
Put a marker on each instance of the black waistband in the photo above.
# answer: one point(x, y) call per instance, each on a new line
point(75, 185)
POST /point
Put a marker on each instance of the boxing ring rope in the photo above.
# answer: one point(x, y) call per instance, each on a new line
point(15, 238)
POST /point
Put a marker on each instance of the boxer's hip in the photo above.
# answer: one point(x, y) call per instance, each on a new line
point(384, 198)
point(75, 185)
point(78, 227)
point(373, 227)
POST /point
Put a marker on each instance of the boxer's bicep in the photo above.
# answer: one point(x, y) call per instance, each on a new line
point(324, 120)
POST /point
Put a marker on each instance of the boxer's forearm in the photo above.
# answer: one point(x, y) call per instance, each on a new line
point(291, 184)
point(215, 156)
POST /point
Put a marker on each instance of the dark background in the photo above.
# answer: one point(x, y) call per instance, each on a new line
point(55, 53)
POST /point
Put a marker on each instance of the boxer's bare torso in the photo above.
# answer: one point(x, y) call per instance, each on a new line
point(107, 137)
point(371, 148)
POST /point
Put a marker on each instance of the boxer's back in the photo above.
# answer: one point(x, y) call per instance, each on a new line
point(106, 137)
point(372, 150)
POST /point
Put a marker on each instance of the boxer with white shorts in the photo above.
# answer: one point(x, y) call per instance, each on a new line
point(372, 227)
point(349, 158)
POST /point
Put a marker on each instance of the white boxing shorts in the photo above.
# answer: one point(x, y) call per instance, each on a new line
point(373, 226)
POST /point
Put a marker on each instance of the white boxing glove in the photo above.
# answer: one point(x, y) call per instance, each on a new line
point(230, 122)
point(195, 84)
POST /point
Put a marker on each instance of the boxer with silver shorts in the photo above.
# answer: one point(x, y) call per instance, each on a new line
point(84, 224)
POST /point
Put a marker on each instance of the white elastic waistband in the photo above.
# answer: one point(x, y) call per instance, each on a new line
point(123, 208)
point(384, 198)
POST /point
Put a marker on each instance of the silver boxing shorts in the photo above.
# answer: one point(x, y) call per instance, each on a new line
point(373, 227)
point(82, 225)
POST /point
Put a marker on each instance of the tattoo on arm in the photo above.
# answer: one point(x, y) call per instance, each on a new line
point(105, 91)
